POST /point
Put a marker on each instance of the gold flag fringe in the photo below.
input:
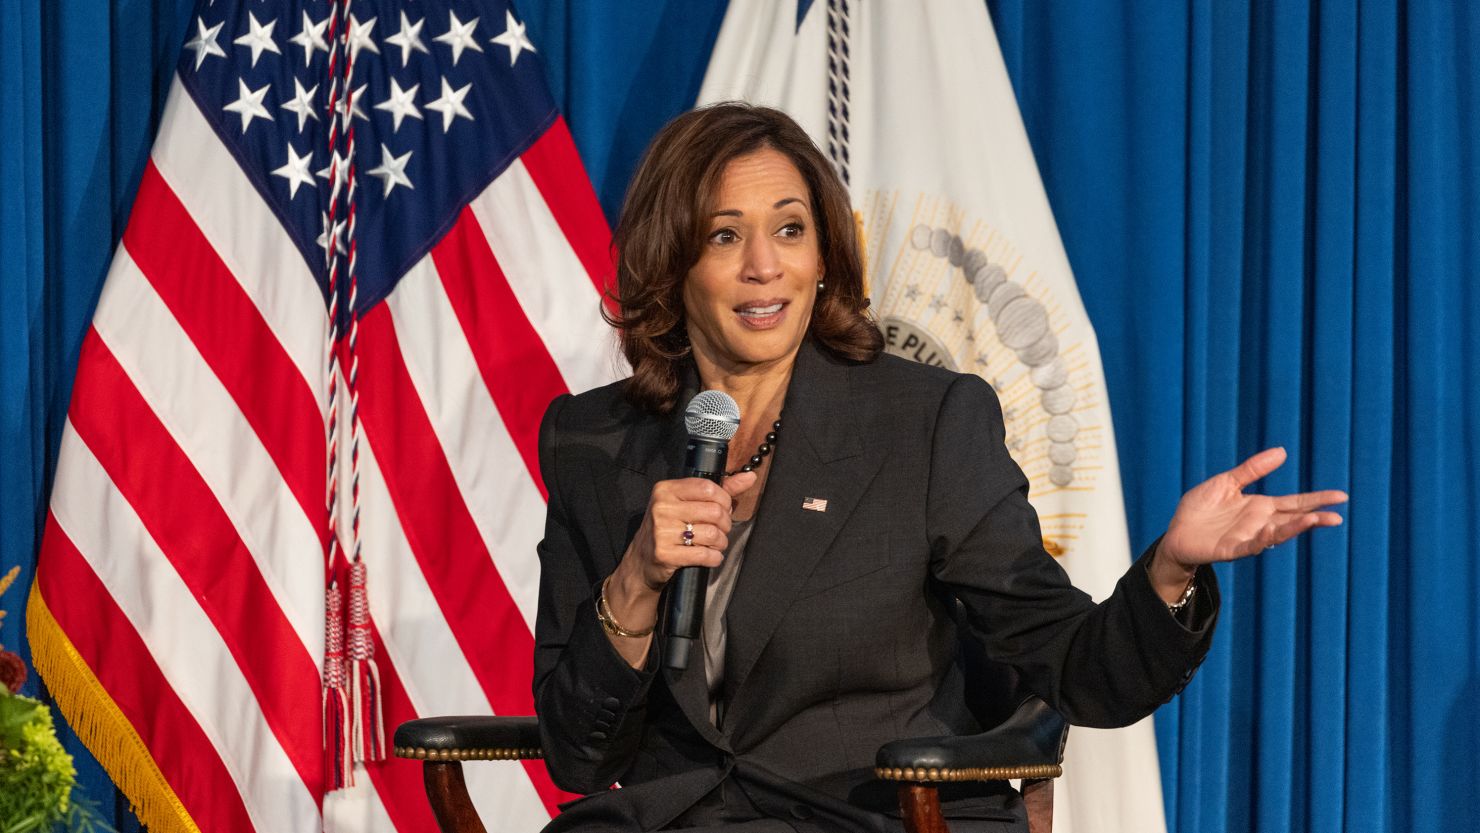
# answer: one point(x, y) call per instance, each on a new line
point(101, 725)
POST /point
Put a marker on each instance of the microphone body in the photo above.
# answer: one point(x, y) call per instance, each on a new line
point(712, 419)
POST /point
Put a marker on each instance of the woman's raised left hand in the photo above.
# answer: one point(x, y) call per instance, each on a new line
point(1216, 521)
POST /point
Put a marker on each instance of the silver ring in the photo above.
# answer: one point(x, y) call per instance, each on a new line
point(688, 535)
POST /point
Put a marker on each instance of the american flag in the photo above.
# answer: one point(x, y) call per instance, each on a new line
point(179, 609)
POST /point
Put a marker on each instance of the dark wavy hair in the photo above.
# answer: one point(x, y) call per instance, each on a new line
point(663, 226)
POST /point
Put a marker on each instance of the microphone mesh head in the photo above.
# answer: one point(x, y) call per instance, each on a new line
point(712, 415)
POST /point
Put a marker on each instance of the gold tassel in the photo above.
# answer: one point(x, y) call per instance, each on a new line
point(101, 725)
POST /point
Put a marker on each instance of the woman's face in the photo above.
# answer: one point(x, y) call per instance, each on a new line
point(749, 297)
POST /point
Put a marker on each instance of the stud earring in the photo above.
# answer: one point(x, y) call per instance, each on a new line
point(820, 284)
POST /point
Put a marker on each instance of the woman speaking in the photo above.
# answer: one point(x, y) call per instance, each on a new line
point(867, 492)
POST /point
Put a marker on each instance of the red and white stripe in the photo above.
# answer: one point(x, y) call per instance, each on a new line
point(184, 551)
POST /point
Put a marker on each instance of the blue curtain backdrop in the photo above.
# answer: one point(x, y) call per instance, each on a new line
point(82, 86)
point(1272, 212)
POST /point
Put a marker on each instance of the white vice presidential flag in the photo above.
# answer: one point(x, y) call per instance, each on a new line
point(913, 103)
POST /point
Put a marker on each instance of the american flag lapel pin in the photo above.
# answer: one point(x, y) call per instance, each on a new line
point(816, 504)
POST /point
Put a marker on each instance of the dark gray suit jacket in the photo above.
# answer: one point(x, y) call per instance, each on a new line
point(839, 640)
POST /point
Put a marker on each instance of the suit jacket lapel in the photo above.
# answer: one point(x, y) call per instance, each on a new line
point(819, 454)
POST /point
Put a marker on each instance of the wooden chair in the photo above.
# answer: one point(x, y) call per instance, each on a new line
point(1028, 745)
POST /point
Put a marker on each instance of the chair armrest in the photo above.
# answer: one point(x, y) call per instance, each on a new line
point(1030, 744)
point(469, 738)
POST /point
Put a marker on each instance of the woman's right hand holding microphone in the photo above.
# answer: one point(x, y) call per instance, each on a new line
point(662, 546)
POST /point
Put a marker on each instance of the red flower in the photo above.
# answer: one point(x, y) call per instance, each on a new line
point(12, 671)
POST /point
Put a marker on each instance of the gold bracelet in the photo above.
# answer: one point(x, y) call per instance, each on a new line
point(609, 622)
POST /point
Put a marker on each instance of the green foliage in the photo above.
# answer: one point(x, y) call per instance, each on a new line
point(36, 774)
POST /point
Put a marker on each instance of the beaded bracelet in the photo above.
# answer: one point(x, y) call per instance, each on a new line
point(1186, 597)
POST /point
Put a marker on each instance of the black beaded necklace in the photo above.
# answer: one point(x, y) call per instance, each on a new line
point(761, 452)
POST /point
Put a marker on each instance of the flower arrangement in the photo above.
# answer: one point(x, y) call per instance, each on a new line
point(36, 773)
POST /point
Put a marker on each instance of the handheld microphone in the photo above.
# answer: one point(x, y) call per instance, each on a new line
point(712, 418)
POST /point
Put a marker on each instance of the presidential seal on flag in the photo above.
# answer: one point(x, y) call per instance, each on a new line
point(972, 304)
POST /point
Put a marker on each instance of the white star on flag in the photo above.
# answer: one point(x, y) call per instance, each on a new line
point(311, 38)
point(204, 42)
point(337, 166)
point(392, 170)
point(459, 36)
point(296, 171)
point(450, 105)
point(259, 39)
point(401, 104)
point(249, 104)
point(409, 39)
point(323, 238)
point(513, 37)
point(359, 36)
point(302, 104)
point(354, 101)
